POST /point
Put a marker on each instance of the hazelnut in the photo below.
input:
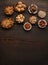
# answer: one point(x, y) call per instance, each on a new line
point(20, 18)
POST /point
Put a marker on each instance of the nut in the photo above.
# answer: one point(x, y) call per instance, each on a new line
point(20, 6)
point(20, 18)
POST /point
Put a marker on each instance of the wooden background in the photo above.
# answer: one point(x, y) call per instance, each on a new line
point(18, 47)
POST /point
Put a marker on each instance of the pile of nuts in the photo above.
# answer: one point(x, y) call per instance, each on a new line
point(7, 23)
point(20, 6)
point(33, 19)
point(20, 18)
point(9, 10)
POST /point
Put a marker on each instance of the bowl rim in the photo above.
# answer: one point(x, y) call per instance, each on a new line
point(36, 9)
point(40, 25)
point(25, 24)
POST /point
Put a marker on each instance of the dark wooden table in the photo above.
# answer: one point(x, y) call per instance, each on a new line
point(18, 47)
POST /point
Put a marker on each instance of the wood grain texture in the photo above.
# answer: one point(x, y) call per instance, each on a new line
point(18, 47)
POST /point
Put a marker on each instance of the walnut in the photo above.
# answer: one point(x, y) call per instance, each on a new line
point(33, 19)
point(9, 10)
point(7, 23)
